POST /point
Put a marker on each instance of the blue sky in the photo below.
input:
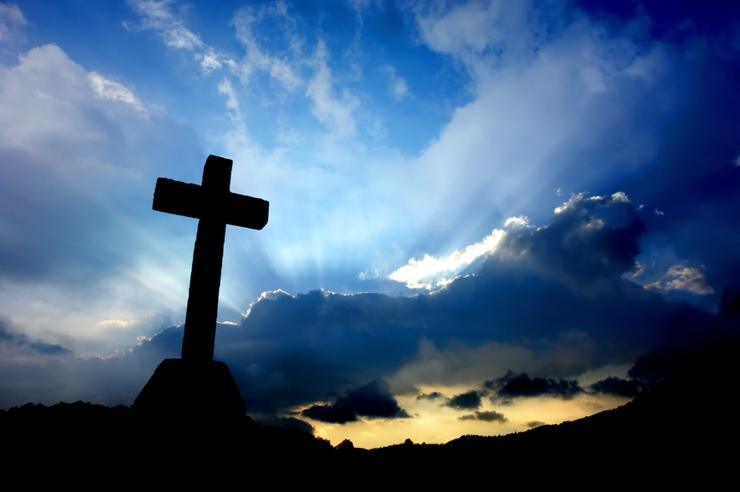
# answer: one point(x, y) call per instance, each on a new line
point(449, 153)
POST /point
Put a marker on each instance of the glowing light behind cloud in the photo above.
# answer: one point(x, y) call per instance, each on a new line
point(432, 272)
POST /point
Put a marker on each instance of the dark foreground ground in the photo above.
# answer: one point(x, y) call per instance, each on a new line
point(684, 430)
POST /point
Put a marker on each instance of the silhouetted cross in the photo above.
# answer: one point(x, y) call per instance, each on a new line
point(215, 206)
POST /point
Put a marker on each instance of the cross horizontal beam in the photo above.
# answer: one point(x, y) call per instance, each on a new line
point(192, 200)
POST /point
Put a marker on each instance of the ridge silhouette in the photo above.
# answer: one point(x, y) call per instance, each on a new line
point(663, 426)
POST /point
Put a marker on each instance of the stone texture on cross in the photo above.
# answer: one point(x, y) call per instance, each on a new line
point(196, 383)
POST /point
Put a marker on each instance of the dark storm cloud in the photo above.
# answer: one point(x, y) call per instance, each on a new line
point(465, 401)
point(330, 413)
point(696, 362)
point(373, 400)
point(543, 282)
point(521, 385)
point(20, 341)
point(700, 202)
point(675, 21)
point(434, 395)
point(291, 424)
point(589, 240)
point(693, 58)
point(617, 386)
point(534, 423)
point(485, 416)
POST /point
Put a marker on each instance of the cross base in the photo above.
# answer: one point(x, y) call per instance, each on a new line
point(180, 388)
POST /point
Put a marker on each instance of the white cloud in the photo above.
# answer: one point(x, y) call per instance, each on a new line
point(620, 196)
point(576, 198)
point(119, 324)
point(210, 62)
point(181, 38)
point(519, 240)
point(336, 112)
point(113, 91)
point(516, 222)
point(683, 277)
point(432, 273)
point(83, 155)
point(472, 28)
point(158, 17)
point(397, 86)
point(11, 19)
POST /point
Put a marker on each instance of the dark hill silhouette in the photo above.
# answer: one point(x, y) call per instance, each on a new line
point(684, 427)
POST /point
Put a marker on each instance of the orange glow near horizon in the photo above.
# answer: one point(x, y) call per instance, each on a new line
point(434, 422)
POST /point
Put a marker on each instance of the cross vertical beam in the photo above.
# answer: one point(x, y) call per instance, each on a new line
point(215, 206)
point(196, 384)
point(205, 277)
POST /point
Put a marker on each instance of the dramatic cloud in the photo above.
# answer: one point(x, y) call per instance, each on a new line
point(293, 350)
point(465, 401)
point(509, 104)
point(372, 400)
point(514, 385)
point(546, 96)
point(559, 101)
point(627, 388)
point(485, 416)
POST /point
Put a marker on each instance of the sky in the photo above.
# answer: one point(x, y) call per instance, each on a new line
point(481, 213)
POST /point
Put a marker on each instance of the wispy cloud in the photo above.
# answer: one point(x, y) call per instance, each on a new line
point(157, 16)
point(397, 86)
point(113, 91)
point(11, 21)
point(336, 112)
point(256, 58)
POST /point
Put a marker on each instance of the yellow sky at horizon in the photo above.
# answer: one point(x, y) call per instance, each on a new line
point(433, 422)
